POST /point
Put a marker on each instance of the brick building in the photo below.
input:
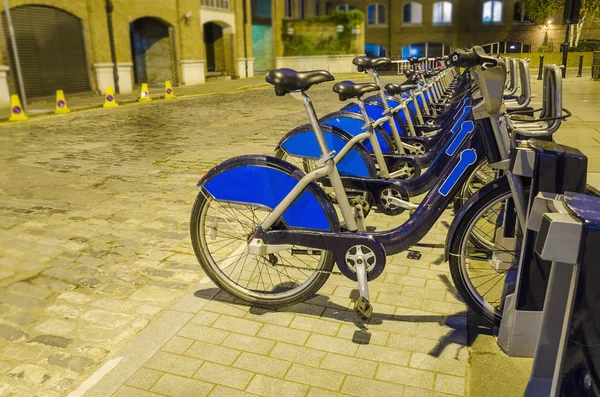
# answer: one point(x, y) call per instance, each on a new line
point(64, 44)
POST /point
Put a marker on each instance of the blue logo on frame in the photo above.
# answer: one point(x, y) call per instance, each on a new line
point(465, 129)
point(467, 158)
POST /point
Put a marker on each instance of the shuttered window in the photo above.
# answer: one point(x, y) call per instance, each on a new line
point(51, 50)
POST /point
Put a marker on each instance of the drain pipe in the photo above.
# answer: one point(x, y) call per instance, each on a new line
point(244, 34)
point(111, 41)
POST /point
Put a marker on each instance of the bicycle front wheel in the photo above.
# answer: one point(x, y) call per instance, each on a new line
point(479, 270)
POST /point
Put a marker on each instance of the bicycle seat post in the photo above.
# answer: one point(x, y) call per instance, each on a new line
point(312, 117)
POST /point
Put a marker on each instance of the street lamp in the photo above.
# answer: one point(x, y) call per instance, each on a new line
point(339, 28)
point(290, 31)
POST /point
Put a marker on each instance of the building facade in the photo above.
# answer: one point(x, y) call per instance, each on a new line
point(65, 44)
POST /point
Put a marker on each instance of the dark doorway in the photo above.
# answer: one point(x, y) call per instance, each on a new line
point(215, 48)
point(51, 50)
point(152, 51)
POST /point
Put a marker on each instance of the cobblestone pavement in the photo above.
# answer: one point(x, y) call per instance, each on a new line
point(95, 248)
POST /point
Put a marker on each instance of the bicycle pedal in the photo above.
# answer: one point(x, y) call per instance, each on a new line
point(416, 255)
point(363, 308)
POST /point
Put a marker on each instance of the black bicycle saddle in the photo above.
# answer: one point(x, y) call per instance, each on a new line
point(364, 62)
point(348, 89)
point(288, 80)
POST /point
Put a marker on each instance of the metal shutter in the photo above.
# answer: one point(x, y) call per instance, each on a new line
point(51, 50)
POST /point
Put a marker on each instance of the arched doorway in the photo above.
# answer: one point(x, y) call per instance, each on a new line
point(152, 43)
point(51, 50)
point(218, 39)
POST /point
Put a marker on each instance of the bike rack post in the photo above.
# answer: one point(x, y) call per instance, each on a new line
point(580, 66)
point(541, 67)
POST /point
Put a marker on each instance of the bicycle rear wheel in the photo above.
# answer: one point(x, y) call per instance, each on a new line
point(220, 233)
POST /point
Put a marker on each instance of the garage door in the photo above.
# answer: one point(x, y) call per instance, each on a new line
point(51, 50)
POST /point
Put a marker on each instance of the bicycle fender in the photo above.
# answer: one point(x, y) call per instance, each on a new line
point(265, 181)
point(302, 142)
point(353, 124)
point(465, 208)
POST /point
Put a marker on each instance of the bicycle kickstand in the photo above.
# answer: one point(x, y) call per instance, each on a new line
point(363, 306)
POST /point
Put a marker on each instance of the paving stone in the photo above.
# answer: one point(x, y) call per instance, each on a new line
point(74, 297)
point(21, 301)
point(316, 392)
point(56, 327)
point(248, 343)
point(450, 384)
point(315, 325)
point(23, 318)
point(216, 354)
point(52, 340)
point(270, 317)
point(262, 364)
point(349, 365)
point(107, 319)
point(204, 318)
point(283, 334)
point(239, 325)
point(173, 363)
point(222, 375)
point(361, 387)
point(70, 362)
point(331, 344)
point(22, 352)
point(315, 377)
point(11, 334)
point(384, 354)
point(148, 310)
point(37, 291)
point(126, 391)
point(177, 345)
point(298, 354)
point(368, 336)
point(438, 364)
point(405, 376)
point(31, 374)
point(177, 386)
point(150, 293)
point(271, 387)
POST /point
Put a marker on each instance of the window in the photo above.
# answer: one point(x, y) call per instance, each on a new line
point(289, 6)
point(413, 13)
point(302, 9)
point(224, 4)
point(492, 11)
point(317, 7)
point(376, 14)
point(346, 7)
point(428, 50)
point(442, 12)
point(327, 8)
point(520, 13)
point(374, 50)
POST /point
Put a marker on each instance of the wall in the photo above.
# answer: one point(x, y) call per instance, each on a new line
point(555, 58)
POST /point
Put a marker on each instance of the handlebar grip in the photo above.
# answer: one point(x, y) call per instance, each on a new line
point(463, 58)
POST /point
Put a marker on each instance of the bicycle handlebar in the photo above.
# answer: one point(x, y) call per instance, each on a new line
point(472, 57)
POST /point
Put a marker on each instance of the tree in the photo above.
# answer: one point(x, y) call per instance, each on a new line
point(540, 11)
point(589, 10)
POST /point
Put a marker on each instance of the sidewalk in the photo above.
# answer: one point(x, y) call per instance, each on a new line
point(37, 108)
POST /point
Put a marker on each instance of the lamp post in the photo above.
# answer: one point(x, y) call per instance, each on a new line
point(13, 42)
point(111, 41)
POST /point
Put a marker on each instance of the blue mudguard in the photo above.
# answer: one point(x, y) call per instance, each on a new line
point(376, 111)
point(302, 142)
point(353, 124)
point(265, 181)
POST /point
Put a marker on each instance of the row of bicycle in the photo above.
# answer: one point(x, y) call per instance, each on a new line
point(269, 230)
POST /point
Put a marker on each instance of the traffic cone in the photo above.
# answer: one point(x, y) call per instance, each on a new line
point(61, 103)
point(16, 110)
point(109, 98)
point(169, 93)
point(145, 94)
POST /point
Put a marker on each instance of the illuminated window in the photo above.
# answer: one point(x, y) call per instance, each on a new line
point(442, 12)
point(492, 11)
point(376, 14)
point(413, 13)
point(346, 7)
